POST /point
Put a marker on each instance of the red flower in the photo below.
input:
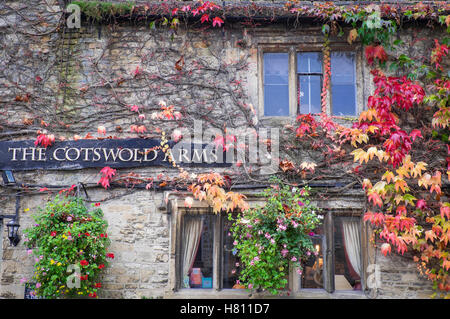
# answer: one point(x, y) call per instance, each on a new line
point(101, 266)
point(97, 204)
point(53, 233)
point(103, 235)
point(93, 295)
point(85, 277)
point(87, 234)
point(98, 285)
point(110, 255)
point(84, 262)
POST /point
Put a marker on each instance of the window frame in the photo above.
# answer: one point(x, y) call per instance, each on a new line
point(328, 248)
point(176, 209)
point(294, 106)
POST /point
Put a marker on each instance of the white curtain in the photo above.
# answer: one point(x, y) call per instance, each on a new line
point(192, 232)
point(353, 244)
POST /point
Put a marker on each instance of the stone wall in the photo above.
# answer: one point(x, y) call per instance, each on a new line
point(78, 79)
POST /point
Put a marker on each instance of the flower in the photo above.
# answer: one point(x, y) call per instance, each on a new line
point(110, 255)
point(53, 234)
point(93, 295)
point(38, 285)
point(311, 233)
point(101, 266)
point(284, 252)
point(294, 259)
point(98, 285)
point(300, 203)
point(84, 262)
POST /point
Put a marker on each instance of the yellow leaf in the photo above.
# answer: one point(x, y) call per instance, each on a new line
point(417, 170)
point(402, 172)
point(371, 152)
point(372, 129)
point(353, 34)
point(401, 184)
point(388, 176)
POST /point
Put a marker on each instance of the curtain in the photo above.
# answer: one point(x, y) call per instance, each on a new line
point(192, 232)
point(353, 244)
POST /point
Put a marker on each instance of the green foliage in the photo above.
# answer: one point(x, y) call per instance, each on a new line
point(70, 248)
point(99, 10)
point(270, 240)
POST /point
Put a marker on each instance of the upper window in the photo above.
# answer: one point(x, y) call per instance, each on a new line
point(278, 81)
point(276, 84)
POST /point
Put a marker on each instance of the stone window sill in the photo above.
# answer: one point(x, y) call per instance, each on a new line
point(200, 293)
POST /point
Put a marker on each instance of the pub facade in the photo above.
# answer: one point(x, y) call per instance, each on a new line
point(109, 85)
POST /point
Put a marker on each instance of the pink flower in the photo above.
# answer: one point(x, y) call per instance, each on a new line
point(294, 259)
point(38, 285)
point(300, 203)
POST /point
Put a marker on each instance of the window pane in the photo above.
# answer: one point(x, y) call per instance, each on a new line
point(343, 86)
point(312, 275)
point(276, 100)
point(309, 93)
point(276, 84)
point(347, 253)
point(231, 264)
point(309, 62)
point(197, 251)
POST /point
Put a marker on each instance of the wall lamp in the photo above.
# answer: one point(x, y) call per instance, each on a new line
point(13, 232)
point(13, 225)
point(8, 178)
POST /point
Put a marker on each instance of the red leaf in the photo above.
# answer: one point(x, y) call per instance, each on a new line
point(204, 18)
point(414, 134)
point(421, 204)
point(217, 21)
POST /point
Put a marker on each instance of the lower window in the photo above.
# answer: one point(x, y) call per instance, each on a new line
point(338, 265)
point(208, 259)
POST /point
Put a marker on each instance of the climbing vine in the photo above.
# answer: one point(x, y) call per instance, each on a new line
point(397, 150)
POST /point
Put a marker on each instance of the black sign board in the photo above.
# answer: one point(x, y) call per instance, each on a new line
point(115, 153)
